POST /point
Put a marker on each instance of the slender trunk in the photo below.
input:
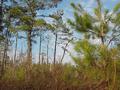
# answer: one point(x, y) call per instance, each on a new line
point(6, 58)
point(3, 63)
point(102, 34)
point(42, 58)
point(102, 40)
point(40, 48)
point(4, 55)
point(29, 45)
point(16, 47)
point(21, 57)
point(29, 54)
point(47, 52)
point(1, 15)
point(55, 47)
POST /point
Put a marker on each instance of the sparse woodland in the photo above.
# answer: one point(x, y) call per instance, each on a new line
point(95, 66)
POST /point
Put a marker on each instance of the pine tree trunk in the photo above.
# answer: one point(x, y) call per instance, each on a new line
point(40, 49)
point(4, 55)
point(42, 58)
point(102, 40)
point(29, 45)
point(1, 15)
point(1, 29)
point(16, 47)
point(55, 48)
point(47, 51)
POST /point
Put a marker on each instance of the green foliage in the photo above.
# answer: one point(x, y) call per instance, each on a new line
point(68, 74)
point(96, 66)
point(1, 38)
point(20, 73)
point(78, 7)
point(82, 23)
point(14, 74)
point(24, 27)
point(27, 20)
point(117, 19)
point(50, 27)
point(40, 22)
point(117, 7)
point(98, 63)
point(86, 51)
point(55, 17)
point(97, 24)
point(43, 23)
point(15, 12)
point(12, 29)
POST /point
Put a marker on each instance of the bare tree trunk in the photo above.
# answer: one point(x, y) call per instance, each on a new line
point(47, 51)
point(40, 48)
point(55, 48)
point(102, 40)
point(3, 63)
point(42, 58)
point(4, 55)
point(16, 47)
point(102, 34)
point(1, 29)
point(29, 45)
point(1, 15)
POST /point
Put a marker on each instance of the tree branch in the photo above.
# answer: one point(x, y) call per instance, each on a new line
point(112, 39)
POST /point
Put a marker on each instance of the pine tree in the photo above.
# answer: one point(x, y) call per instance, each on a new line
point(97, 25)
point(101, 58)
point(26, 14)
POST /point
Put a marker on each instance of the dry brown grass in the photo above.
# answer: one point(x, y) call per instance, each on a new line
point(49, 77)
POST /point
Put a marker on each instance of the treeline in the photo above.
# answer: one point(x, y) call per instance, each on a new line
point(96, 65)
point(25, 17)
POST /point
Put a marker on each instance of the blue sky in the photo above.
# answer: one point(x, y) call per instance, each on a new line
point(68, 13)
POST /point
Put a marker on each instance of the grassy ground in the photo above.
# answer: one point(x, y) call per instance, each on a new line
point(49, 77)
